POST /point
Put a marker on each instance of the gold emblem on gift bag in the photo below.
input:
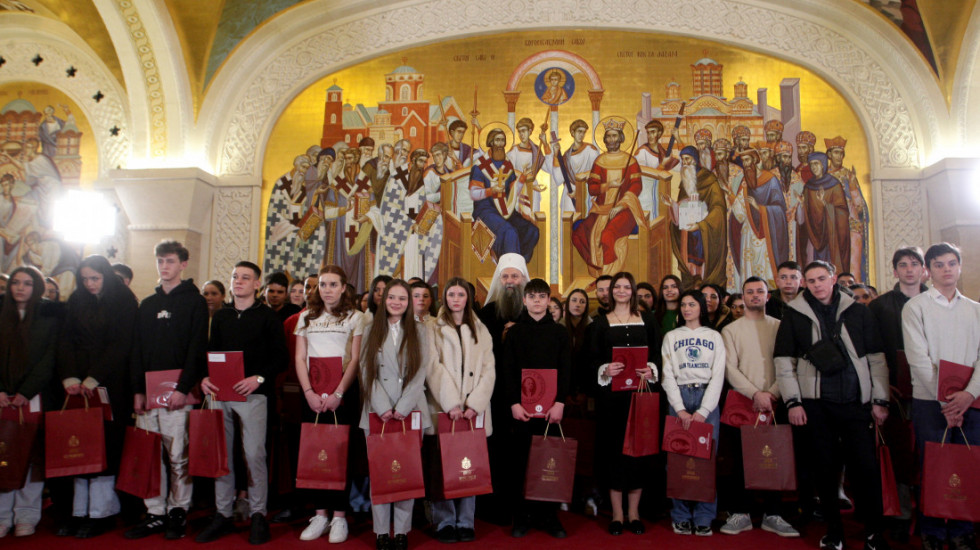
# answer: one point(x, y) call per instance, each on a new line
point(551, 464)
point(466, 464)
point(73, 441)
point(766, 451)
point(322, 456)
point(395, 466)
point(955, 481)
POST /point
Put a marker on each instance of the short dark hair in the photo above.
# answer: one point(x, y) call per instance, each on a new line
point(913, 252)
point(124, 270)
point(252, 266)
point(788, 264)
point(845, 274)
point(856, 286)
point(164, 248)
point(601, 278)
point(754, 279)
point(941, 249)
point(821, 264)
point(277, 278)
point(536, 286)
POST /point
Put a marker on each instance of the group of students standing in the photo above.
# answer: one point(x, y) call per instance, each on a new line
point(815, 358)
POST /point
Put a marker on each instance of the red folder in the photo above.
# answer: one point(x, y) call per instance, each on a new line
point(695, 441)
point(325, 374)
point(953, 377)
point(538, 390)
point(739, 411)
point(160, 384)
point(413, 422)
point(633, 358)
point(226, 368)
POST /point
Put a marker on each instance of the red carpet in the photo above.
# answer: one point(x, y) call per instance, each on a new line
point(584, 533)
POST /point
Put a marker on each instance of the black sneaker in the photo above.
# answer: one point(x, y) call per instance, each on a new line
point(69, 527)
point(259, 534)
point(682, 528)
point(447, 535)
point(876, 542)
point(962, 542)
point(383, 542)
point(176, 524)
point(931, 542)
point(831, 542)
point(554, 528)
point(94, 527)
point(219, 527)
point(151, 525)
point(521, 525)
point(400, 543)
point(465, 535)
point(703, 530)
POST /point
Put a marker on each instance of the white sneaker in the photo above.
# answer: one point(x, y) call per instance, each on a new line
point(338, 530)
point(737, 523)
point(317, 525)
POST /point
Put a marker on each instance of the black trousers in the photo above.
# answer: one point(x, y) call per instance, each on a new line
point(844, 434)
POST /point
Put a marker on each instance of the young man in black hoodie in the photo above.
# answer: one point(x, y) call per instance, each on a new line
point(171, 334)
point(536, 341)
point(255, 330)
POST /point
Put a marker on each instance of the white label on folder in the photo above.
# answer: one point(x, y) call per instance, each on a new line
point(35, 404)
point(479, 421)
point(216, 357)
point(416, 420)
point(103, 394)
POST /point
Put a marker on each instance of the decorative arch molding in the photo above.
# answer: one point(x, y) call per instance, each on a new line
point(869, 62)
point(27, 35)
point(577, 61)
point(150, 54)
point(966, 89)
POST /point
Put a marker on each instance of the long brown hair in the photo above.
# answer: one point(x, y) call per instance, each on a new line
point(314, 302)
point(468, 314)
point(634, 305)
point(410, 350)
point(15, 332)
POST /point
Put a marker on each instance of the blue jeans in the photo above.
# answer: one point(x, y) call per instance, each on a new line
point(701, 513)
point(457, 512)
point(929, 422)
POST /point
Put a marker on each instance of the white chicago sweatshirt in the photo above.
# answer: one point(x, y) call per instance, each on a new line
point(694, 356)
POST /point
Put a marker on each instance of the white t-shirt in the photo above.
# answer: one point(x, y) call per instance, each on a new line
point(329, 335)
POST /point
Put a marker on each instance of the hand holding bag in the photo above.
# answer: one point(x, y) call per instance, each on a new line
point(550, 472)
point(74, 441)
point(208, 452)
point(323, 455)
point(643, 424)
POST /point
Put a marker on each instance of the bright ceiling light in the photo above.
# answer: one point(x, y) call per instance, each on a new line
point(84, 217)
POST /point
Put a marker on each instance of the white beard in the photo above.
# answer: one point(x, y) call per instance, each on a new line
point(689, 179)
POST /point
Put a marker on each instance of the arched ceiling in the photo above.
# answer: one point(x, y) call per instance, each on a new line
point(210, 31)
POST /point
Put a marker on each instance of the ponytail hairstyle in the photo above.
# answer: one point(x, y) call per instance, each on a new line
point(410, 350)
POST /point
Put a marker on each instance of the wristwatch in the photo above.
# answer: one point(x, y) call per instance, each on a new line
point(260, 379)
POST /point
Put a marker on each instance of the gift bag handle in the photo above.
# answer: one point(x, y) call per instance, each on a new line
point(882, 437)
point(942, 441)
point(317, 419)
point(454, 425)
point(561, 431)
point(67, 397)
point(383, 424)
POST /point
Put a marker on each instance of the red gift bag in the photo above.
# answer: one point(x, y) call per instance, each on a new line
point(643, 424)
point(16, 442)
point(890, 505)
point(739, 411)
point(465, 463)
point(74, 442)
point(139, 467)
point(690, 478)
point(695, 441)
point(322, 455)
point(767, 458)
point(395, 466)
point(550, 474)
point(950, 481)
point(207, 450)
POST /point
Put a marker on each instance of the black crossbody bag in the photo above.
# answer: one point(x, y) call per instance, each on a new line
point(828, 354)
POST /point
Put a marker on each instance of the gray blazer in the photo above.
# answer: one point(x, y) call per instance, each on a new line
point(390, 390)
